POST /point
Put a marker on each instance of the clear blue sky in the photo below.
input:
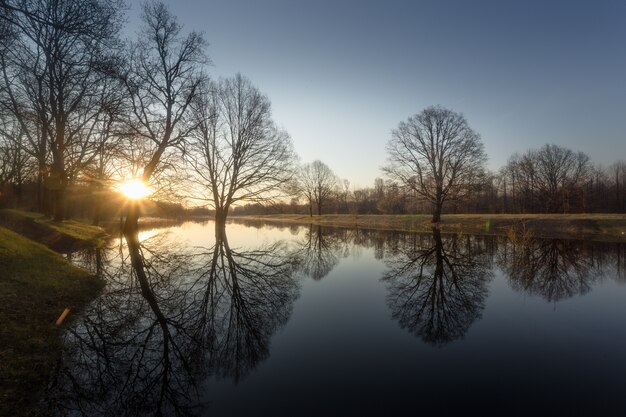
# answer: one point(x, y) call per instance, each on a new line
point(342, 74)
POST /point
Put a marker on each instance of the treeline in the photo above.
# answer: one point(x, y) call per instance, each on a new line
point(551, 179)
point(81, 111)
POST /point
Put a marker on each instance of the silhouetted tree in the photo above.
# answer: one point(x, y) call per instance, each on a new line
point(317, 183)
point(164, 75)
point(436, 154)
point(237, 151)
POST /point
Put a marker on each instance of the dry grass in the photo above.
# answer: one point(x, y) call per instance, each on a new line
point(602, 227)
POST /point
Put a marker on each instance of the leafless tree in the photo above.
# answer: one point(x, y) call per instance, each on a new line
point(547, 179)
point(317, 183)
point(436, 154)
point(237, 151)
point(165, 72)
point(558, 171)
point(61, 45)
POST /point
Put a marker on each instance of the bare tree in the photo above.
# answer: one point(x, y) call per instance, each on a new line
point(165, 72)
point(549, 179)
point(436, 154)
point(317, 183)
point(558, 171)
point(238, 152)
point(61, 45)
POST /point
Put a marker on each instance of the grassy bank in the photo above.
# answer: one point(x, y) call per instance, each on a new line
point(60, 236)
point(36, 285)
point(600, 227)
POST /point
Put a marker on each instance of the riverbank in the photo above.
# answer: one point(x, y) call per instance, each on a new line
point(61, 237)
point(597, 227)
point(36, 286)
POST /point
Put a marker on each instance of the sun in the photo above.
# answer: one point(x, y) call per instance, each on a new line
point(134, 189)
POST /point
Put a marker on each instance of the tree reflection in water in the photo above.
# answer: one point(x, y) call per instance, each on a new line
point(554, 269)
point(247, 296)
point(437, 286)
point(173, 316)
point(169, 319)
point(320, 251)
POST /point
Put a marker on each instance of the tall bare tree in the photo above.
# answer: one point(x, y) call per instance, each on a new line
point(238, 152)
point(436, 154)
point(165, 73)
point(317, 183)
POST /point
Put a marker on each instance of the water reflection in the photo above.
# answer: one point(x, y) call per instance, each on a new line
point(246, 297)
point(556, 269)
point(320, 251)
point(170, 318)
point(437, 286)
point(179, 317)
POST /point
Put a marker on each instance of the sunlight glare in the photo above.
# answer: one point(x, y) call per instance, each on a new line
point(135, 189)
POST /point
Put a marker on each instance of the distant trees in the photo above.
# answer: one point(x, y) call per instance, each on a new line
point(236, 149)
point(317, 183)
point(549, 179)
point(436, 154)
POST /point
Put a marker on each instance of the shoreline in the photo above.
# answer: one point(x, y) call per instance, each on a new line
point(38, 284)
point(593, 227)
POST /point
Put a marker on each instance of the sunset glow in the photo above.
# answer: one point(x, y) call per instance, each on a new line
point(135, 189)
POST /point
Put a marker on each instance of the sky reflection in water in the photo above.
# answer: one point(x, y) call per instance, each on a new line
point(292, 320)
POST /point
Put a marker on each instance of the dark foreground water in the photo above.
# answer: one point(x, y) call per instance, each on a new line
point(315, 321)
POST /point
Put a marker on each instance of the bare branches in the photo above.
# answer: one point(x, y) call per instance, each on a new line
point(165, 73)
point(436, 154)
point(317, 183)
point(237, 151)
point(547, 179)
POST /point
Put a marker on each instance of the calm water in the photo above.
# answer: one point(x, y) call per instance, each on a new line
point(288, 321)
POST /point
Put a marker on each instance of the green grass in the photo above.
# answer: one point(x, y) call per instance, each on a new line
point(36, 285)
point(75, 229)
point(58, 235)
point(603, 227)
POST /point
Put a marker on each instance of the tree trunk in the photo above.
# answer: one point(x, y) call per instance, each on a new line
point(131, 226)
point(437, 213)
point(438, 205)
point(220, 223)
point(59, 204)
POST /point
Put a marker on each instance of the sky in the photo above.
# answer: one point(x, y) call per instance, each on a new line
point(342, 74)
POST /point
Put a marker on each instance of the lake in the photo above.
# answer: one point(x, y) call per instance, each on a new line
point(291, 320)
